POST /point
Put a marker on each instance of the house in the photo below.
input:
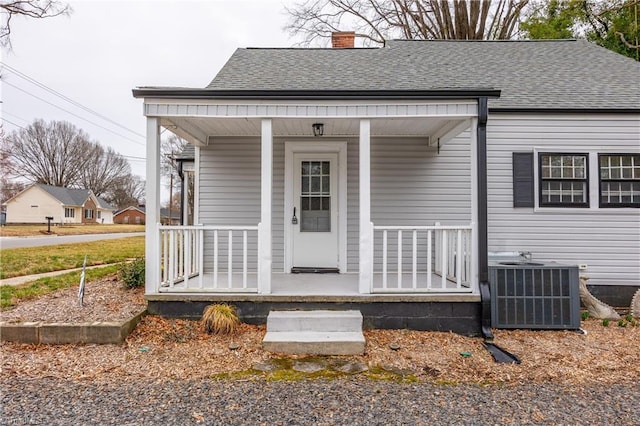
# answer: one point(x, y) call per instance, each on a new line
point(130, 215)
point(396, 171)
point(66, 205)
point(137, 216)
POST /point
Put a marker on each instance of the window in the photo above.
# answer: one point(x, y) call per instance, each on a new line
point(88, 214)
point(99, 214)
point(619, 180)
point(563, 180)
point(69, 212)
point(315, 197)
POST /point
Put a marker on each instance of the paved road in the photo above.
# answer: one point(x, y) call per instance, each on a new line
point(16, 242)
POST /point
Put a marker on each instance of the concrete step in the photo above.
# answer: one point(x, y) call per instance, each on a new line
point(319, 332)
point(314, 342)
point(318, 320)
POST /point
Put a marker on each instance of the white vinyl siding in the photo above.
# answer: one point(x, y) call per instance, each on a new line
point(230, 194)
point(34, 204)
point(606, 240)
point(411, 185)
point(414, 185)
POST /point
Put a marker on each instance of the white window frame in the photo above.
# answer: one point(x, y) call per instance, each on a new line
point(69, 212)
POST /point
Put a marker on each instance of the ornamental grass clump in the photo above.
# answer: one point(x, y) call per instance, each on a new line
point(220, 318)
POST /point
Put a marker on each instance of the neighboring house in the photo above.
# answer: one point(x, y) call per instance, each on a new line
point(329, 160)
point(137, 215)
point(130, 215)
point(65, 205)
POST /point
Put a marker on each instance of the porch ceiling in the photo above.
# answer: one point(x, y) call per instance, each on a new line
point(201, 127)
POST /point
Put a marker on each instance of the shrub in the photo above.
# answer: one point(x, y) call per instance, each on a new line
point(132, 273)
point(220, 318)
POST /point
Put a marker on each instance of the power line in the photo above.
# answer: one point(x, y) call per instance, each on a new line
point(128, 157)
point(75, 115)
point(15, 116)
point(11, 122)
point(131, 158)
point(68, 99)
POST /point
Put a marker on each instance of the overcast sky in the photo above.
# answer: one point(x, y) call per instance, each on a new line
point(103, 49)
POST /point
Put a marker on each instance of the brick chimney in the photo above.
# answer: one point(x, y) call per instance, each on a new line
point(343, 39)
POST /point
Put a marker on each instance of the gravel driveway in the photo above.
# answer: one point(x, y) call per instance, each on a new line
point(344, 402)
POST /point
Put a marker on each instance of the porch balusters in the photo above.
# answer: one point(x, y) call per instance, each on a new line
point(183, 258)
point(448, 255)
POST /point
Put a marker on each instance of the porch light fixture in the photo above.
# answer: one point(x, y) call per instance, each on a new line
point(318, 129)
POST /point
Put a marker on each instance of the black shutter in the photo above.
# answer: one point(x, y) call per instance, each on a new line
point(523, 176)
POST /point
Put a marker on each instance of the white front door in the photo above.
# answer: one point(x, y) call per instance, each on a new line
point(314, 217)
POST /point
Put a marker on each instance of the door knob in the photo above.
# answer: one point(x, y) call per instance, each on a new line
point(294, 219)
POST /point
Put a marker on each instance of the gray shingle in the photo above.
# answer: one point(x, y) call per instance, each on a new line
point(67, 196)
point(72, 197)
point(563, 74)
point(103, 204)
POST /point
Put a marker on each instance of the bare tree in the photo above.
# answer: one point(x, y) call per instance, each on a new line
point(8, 187)
point(170, 147)
point(106, 170)
point(37, 9)
point(376, 21)
point(59, 154)
point(127, 191)
point(53, 153)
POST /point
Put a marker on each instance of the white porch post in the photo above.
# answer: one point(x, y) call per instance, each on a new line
point(152, 236)
point(264, 230)
point(366, 237)
point(474, 205)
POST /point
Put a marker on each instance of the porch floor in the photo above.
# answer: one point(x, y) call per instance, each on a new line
point(317, 287)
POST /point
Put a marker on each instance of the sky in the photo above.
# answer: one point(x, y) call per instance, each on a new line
point(103, 49)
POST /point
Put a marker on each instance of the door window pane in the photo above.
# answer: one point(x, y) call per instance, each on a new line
point(315, 196)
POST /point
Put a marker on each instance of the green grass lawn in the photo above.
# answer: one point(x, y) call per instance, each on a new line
point(17, 262)
point(10, 295)
point(75, 229)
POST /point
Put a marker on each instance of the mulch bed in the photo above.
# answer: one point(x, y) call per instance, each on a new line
point(164, 349)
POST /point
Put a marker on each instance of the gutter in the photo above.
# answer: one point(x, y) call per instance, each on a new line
point(500, 110)
point(178, 93)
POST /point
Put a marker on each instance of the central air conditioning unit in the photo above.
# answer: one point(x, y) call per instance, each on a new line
point(533, 295)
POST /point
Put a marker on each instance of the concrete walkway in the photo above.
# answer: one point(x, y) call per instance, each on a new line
point(29, 278)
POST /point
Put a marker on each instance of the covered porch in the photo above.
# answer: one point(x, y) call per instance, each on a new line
point(433, 255)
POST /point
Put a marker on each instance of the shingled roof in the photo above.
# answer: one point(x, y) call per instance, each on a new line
point(72, 197)
point(542, 74)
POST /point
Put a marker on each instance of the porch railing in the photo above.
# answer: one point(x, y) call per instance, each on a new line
point(422, 258)
point(226, 267)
